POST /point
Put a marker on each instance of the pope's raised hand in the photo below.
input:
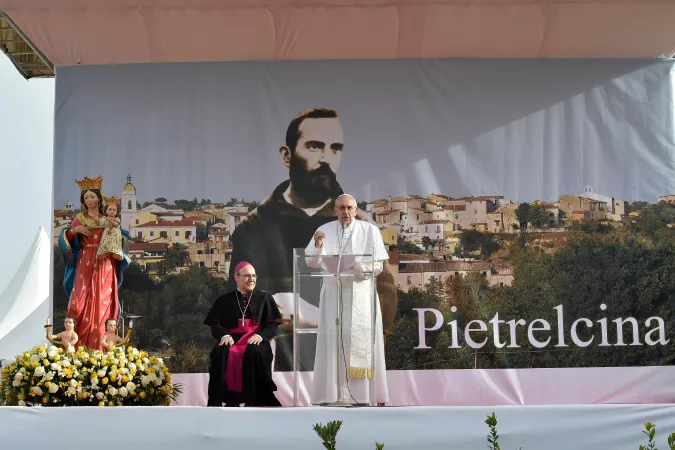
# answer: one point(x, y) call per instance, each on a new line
point(318, 239)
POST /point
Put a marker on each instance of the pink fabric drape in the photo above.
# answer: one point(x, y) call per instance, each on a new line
point(74, 32)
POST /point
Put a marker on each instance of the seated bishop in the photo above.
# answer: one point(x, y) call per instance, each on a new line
point(242, 323)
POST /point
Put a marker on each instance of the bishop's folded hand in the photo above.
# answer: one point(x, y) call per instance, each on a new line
point(255, 339)
point(226, 340)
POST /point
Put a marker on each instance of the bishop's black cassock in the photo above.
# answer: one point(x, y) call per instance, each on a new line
point(242, 373)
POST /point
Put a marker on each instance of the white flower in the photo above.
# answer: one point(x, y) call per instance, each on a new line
point(43, 355)
point(123, 391)
point(132, 366)
point(116, 361)
point(16, 382)
point(34, 359)
point(53, 348)
point(55, 367)
point(73, 383)
point(141, 368)
point(65, 363)
point(77, 363)
point(157, 381)
point(101, 372)
point(124, 370)
point(18, 376)
point(52, 353)
point(99, 395)
point(49, 376)
point(71, 391)
point(145, 380)
point(22, 370)
point(53, 388)
point(70, 349)
point(112, 390)
point(39, 371)
point(146, 360)
point(131, 386)
point(94, 381)
point(36, 390)
point(22, 403)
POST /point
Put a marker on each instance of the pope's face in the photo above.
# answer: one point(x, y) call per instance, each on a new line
point(345, 210)
point(246, 278)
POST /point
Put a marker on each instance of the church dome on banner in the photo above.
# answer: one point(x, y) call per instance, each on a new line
point(130, 188)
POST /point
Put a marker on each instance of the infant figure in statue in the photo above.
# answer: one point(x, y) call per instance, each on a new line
point(111, 242)
point(111, 338)
point(69, 336)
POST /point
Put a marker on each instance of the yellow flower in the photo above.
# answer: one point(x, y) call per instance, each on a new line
point(26, 355)
point(94, 374)
point(105, 380)
point(35, 365)
point(101, 403)
point(125, 378)
point(113, 377)
point(21, 397)
point(45, 362)
point(142, 394)
point(48, 383)
point(85, 394)
point(44, 399)
point(92, 361)
point(111, 403)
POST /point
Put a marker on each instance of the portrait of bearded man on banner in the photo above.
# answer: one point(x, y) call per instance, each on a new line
point(288, 218)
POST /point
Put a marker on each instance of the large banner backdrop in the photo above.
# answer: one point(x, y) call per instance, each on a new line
point(528, 207)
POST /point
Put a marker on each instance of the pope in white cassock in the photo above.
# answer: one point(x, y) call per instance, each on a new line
point(361, 363)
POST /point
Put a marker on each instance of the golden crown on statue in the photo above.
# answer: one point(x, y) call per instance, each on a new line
point(90, 183)
point(111, 200)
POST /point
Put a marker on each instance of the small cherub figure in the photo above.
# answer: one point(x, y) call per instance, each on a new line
point(69, 336)
point(110, 338)
point(111, 241)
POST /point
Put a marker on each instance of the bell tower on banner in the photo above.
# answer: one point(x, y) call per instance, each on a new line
point(129, 202)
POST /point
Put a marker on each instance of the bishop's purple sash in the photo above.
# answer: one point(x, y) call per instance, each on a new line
point(235, 357)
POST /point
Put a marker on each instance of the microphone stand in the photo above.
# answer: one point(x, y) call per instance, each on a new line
point(340, 402)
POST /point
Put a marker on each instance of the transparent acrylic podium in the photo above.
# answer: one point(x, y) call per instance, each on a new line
point(333, 334)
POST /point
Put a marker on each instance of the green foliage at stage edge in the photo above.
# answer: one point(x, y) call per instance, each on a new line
point(328, 435)
point(629, 268)
point(51, 376)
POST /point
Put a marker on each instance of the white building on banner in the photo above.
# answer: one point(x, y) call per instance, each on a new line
point(615, 208)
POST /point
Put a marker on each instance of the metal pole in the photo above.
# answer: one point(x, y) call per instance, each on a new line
point(294, 335)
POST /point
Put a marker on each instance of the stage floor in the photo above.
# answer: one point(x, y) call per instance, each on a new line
point(587, 427)
point(566, 386)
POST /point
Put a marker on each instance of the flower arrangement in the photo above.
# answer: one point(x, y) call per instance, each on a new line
point(51, 376)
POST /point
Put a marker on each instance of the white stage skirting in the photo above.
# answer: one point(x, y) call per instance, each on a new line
point(565, 386)
point(591, 427)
